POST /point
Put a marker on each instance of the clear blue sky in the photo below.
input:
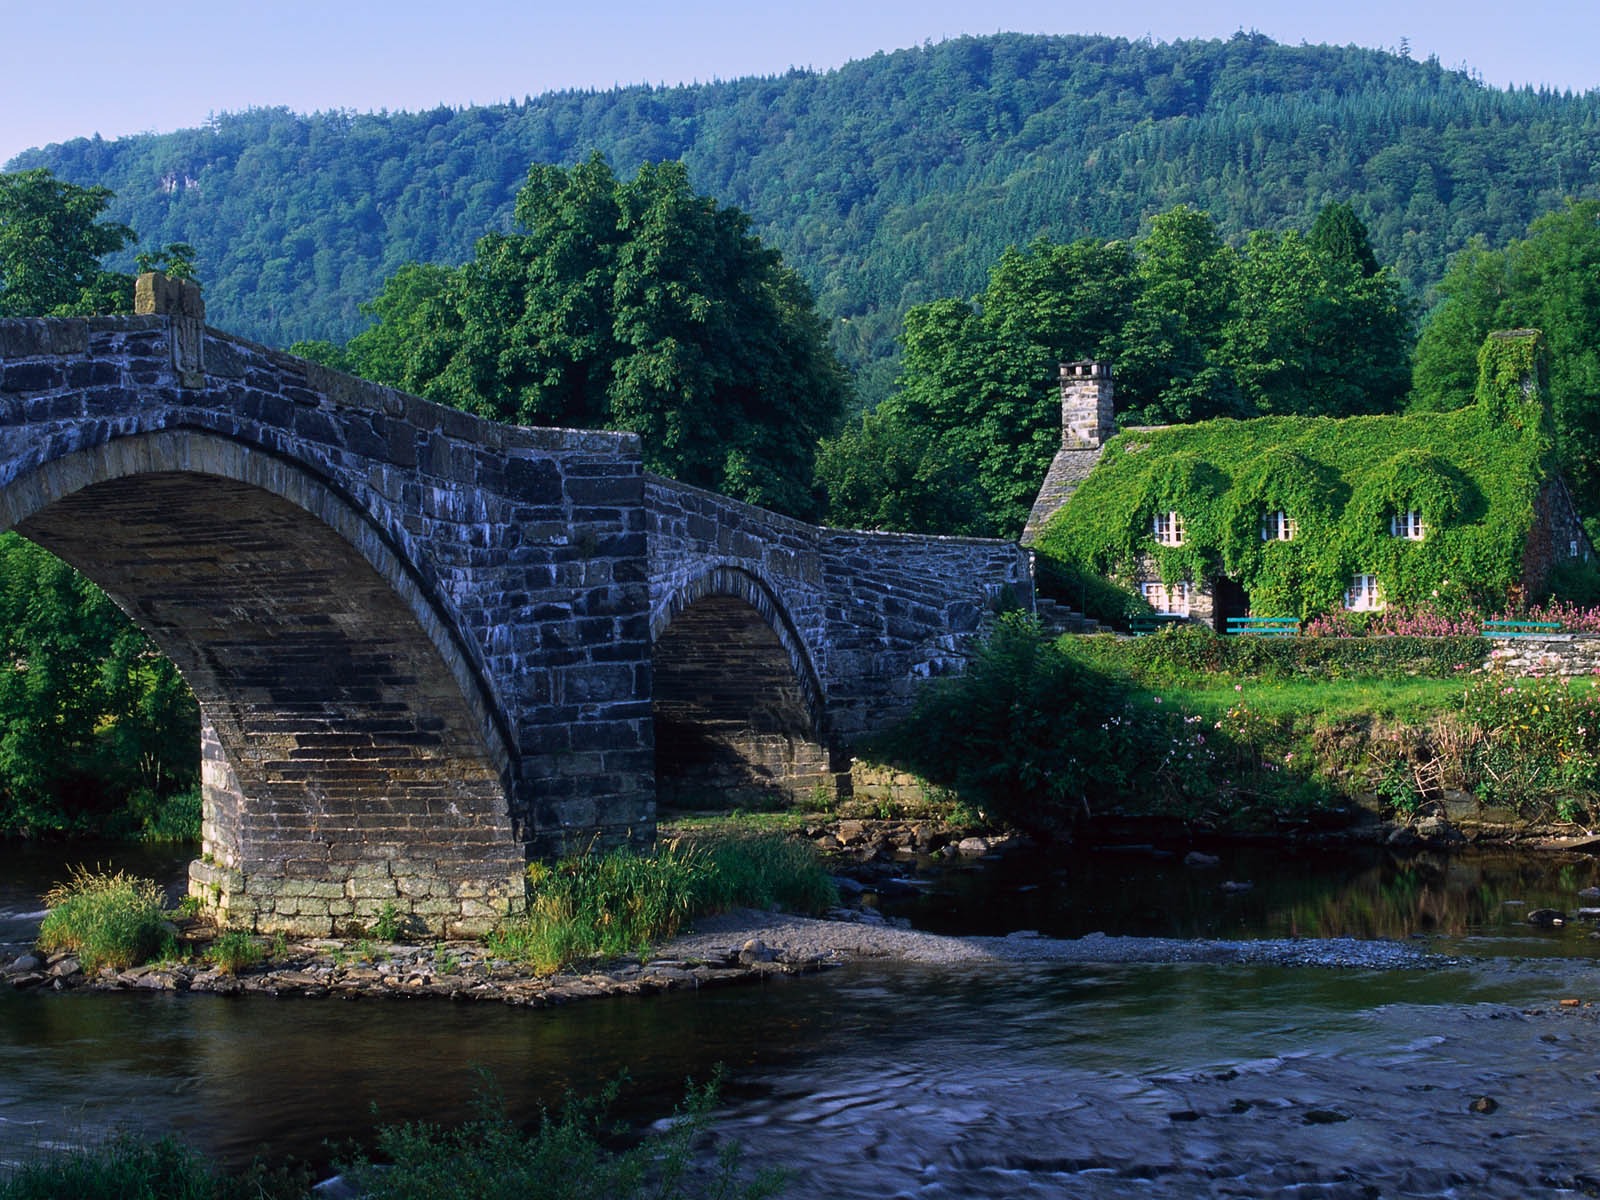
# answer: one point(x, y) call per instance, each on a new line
point(71, 69)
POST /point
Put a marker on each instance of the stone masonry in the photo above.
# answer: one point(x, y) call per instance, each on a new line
point(425, 646)
point(848, 620)
point(420, 641)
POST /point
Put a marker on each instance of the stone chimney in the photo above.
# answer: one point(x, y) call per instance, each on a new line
point(1087, 417)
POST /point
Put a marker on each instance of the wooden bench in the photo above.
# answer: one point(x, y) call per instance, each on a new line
point(1521, 629)
point(1263, 626)
point(1142, 624)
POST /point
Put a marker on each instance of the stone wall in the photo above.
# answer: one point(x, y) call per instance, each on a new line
point(1558, 654)
point(420, 640)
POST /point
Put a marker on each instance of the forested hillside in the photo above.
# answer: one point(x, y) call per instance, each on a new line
point(891, 181)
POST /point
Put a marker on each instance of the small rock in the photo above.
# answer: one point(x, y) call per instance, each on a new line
point(1547, 918)
point(848, 886)
point(972, 846)
point(852, 833)
point(1237, 885)
point(1572, 1002)
point(1325, 1116)
point(28, 962)
point(1196, 858)
point(756, 951)
point(64, 967)
point(1437, 829)
point(1590, 893)
point(1484, 1105)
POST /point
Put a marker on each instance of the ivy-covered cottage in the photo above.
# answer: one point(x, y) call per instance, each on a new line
point(1294, 516)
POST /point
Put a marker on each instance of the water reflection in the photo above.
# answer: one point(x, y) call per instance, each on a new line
point(1477, 897)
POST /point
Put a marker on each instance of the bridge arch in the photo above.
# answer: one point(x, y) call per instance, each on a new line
point(739, 706)
point(355, 757)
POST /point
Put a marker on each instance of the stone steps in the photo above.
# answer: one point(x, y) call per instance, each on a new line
point(1056, 618)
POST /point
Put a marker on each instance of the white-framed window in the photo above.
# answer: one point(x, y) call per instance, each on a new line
point(1168, 528)
point(1363, 595)
point(1407, 525)
point(1167, 601)
point(1278, 527)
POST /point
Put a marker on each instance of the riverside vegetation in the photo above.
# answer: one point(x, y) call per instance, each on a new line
point(575, 1153)
point(1252, 734)
point(582, 908)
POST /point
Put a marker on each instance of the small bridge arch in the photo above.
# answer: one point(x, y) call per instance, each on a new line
point(738, 705)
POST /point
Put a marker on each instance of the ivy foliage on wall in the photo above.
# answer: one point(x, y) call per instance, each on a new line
point(1473, 474)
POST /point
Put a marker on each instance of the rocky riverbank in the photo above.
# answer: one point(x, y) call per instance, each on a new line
point(871, 858)
point(739, 947)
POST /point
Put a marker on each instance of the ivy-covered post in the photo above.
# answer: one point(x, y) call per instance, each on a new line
point(1513, 370)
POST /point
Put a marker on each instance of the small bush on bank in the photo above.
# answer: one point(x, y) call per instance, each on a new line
point(621, 902)
point(564, 1158)
point(1027, 733)
point(107, 920)
point(762, 871)
point(234, 951)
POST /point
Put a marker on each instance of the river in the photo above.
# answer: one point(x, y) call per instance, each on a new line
point(898, 1080)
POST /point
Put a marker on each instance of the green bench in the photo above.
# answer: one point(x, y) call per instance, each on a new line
point(1263, 626)
point(1521, 629)
point(1143, 624)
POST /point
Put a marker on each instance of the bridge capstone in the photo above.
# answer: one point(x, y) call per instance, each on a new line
point(427, 647)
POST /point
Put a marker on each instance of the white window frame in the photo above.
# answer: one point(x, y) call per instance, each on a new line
point(1279, 526)
point(1407, 525)
point(1167, 529)
point(1171, 601)
point(1364, 594)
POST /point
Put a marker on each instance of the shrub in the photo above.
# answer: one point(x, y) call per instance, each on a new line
point(564, 1158)
point(133, 1166)
point(172, 818)
point(764, 870)
point(107, 920)
point(233, 951)
point(1026, 733)
point(1183, 651)
point(1089, 592)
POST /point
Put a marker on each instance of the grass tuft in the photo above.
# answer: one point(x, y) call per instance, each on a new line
point(621, 902)
point(235, 950)
point(108, 920)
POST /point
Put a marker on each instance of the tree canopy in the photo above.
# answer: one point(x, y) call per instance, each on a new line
point(1291, 324)
point(888, 182)
point(52, 243)
point(624, 304)
point(1550, 281)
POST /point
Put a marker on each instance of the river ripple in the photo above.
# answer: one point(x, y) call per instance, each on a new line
point(885, 1079)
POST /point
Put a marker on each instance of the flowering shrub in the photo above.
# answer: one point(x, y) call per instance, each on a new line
point(1572, 618)
point(1539, 737)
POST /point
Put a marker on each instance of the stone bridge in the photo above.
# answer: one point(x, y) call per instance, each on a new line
point(427, 647)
